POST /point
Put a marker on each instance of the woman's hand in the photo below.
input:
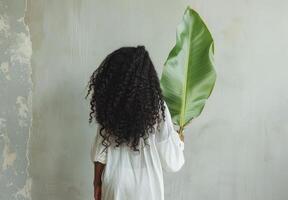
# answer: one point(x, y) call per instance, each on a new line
point(181, 134)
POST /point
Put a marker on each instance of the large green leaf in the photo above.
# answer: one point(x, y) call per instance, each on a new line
point(188, 76)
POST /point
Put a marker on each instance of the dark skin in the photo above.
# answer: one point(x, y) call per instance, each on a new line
point(98, 170)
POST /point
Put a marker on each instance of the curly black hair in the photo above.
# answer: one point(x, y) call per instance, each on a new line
point(126, 98)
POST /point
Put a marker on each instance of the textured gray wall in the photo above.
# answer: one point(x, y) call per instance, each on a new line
point(237, 149)
point(15, 101)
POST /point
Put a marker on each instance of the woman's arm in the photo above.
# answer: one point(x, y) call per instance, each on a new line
point(169, 145)
point(98, 170)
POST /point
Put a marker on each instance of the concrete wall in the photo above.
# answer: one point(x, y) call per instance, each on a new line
point(15, 101)
point(237, 149)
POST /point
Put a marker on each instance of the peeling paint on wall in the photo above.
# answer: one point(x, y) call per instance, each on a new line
point(4, 67)
point(9, 156)
point(25, 191)
point(4, 25)
point(22, 110)
point(15, 101)
point(21, 51)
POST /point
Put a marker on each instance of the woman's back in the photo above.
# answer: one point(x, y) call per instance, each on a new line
point(137, 175)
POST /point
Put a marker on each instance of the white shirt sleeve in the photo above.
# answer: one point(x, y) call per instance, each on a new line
point(170, 147)
point(98, 151)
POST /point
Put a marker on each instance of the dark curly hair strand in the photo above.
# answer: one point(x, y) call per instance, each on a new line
point(126, 97)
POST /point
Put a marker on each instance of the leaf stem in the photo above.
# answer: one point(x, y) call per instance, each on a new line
point(181, 133)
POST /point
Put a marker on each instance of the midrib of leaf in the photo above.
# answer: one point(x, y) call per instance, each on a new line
point(184, 95)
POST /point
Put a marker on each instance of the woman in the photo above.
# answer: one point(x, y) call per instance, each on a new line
point(135, 137)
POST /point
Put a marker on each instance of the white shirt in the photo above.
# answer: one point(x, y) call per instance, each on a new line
point(131, 175)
